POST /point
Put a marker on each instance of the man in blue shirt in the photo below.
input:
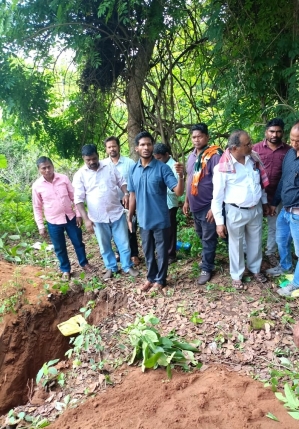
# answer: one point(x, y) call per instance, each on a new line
point(147, 184)
point(287, 225)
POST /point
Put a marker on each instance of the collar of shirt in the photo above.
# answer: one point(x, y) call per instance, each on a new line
point(264, 143)
point(101, 165)
point(151, 164)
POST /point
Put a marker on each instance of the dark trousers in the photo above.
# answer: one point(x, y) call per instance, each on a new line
point(133, 240)
point(156, 240)
point(206, 231)
point(56, 233)
point(172, 233)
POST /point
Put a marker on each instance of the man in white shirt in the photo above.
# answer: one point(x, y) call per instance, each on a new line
point(97, 184)
point(238, 182)
point(123, 165)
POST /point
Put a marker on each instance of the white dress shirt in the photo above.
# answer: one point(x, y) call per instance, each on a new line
point(242, 188)
point(123, 165)
point(100, 191)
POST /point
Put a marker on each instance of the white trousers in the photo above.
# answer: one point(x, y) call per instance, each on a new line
point(242, 223)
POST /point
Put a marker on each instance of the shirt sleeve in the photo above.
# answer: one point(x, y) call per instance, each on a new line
point(37, 204)
point(130, 180)
point(219, 182)
point(120, 180)
point(79, 188)
point(168, 177)
point(70, 191)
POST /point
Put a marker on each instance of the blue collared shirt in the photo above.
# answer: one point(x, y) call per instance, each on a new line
point(288, 187)
point(150, 185)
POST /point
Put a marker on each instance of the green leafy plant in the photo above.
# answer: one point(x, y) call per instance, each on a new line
point(195, 318)
point(87, 347)
point(29, 422)
point(290, 400)
point(14, 253)
point(153, 350)
point(49, 374)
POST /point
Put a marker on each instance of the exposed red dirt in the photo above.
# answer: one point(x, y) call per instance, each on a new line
point(214, 399)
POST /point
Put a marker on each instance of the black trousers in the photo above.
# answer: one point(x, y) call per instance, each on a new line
point(156, 240)
point(172, 233)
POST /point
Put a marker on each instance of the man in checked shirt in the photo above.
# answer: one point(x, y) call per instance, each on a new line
point(53, 195)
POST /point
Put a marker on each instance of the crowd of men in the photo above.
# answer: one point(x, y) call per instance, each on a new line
point(228, 193)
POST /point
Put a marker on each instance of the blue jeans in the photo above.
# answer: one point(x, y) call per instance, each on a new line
point(158, 240)
point(287, 229)
point(206, 231)
point(117, 230)
point(56, 233)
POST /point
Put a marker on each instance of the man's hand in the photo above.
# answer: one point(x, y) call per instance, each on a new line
point(125, 201)
point(272, 211)
point(79, 221)
point(210, 217)
point(179, 168)
point(43, 232)
point(266, 209)
point(89, 225)
point(186, 208)
point(221, 231)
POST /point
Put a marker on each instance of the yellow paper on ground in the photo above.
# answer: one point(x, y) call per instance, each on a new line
point(72, 326)
point(295, 293)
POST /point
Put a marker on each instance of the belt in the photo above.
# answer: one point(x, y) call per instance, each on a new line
point(243, 208)
point(294, 210)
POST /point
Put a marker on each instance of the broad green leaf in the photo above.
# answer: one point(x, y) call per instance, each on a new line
point(151, 362)
point(152, 336)
point(272, 417)
point(42, 424)
point(39, 375)
point(14, 237)
point(21, 415)
point(280, 396)
point(293, 402)
point(166, 342)
point(150, 318)
point(285, 361)
point(163, 360)
point(185, 346)
point(52, 362)
point(294, 414)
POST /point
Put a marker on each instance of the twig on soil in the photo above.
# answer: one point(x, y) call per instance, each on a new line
point(30, 389)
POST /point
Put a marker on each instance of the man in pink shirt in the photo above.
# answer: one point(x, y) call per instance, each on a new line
point(53, 196)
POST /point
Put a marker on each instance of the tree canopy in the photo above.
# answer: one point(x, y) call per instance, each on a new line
point(156, 65)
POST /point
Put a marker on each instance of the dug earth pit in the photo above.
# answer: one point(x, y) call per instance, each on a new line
point(30, 338)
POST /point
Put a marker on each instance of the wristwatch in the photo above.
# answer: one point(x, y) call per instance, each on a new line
point(127, 194)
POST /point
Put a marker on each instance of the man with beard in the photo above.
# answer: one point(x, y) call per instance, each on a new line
point(272, 151)
point(147, 184)
point(97, 184)
point(123, 165)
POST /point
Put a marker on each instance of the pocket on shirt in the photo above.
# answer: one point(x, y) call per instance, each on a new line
point(155, 187)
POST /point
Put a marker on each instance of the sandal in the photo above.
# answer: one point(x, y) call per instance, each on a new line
point(259, 277)
point(238, 285)
point(88, 269)
point(146, 286)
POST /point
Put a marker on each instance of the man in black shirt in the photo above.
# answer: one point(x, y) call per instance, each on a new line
point(287, 227)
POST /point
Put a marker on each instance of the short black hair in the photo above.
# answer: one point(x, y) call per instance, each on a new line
point(161, 149)
point(89, 149)
point(142, 135)
point(275, 122)
point(234, 138)
point(111, 139)
point(43, 159)
point(200, 127)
